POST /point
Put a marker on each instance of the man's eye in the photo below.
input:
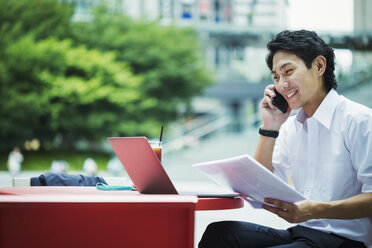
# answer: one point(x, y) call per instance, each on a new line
point(276, 77)
point(288, 71)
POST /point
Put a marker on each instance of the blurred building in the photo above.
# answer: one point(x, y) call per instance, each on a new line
point(362, 15)
point(232, 31)
point(233, 34)
point(362, 27)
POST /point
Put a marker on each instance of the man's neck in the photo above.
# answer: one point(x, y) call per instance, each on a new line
point(311, 107)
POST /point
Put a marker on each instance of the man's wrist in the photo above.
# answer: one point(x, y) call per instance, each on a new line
point(270, 126)
point(268, 133)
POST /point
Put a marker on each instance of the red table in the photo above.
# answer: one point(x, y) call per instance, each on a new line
point(87, 217)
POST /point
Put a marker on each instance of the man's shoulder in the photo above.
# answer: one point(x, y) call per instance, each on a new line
point(353, 114)
point(352, 109)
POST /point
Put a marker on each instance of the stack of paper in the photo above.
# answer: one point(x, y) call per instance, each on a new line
point(246, 176)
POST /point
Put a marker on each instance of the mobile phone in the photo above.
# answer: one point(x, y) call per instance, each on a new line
point(279, 102)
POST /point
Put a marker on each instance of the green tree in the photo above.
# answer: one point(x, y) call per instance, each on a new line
point(22, 21)
point(70, 91)
point(110, 76)
point(168, 58)
point(42, 18)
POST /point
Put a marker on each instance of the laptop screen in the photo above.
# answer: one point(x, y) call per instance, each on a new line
point(142, 165)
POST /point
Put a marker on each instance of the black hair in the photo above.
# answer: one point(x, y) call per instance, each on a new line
point(306, 45)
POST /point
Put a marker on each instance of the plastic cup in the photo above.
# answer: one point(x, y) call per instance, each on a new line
point(156, 146)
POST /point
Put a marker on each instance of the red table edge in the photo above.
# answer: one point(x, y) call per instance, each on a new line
point(219, 203)
point(201, 203)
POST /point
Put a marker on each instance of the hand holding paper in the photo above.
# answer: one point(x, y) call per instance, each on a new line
point(292, 212)
point(247, 177)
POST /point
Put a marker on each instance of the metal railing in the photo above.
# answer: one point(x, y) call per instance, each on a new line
point(195, 131)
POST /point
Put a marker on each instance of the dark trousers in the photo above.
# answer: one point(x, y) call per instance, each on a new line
point(234, 234)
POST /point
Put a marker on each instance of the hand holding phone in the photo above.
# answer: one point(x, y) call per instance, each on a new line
point(279, 102)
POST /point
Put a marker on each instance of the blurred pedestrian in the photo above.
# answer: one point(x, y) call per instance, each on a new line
point(15, 160)
point(90, 167)
point(59, 166)
point(114, 167)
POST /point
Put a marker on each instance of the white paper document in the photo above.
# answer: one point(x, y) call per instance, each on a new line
point(246, 176)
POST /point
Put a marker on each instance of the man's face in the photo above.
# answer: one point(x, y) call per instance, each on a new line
point(300, 86)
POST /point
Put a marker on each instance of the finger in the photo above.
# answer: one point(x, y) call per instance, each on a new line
point(279, 203)
point(263, 103)
point(272, 209)
point(282, 213)
point(278, 211)
point(268, 102)
point(269, 92)
point(268, 95)
point(270, 86)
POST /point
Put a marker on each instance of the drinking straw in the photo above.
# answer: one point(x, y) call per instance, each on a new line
point(161, 135)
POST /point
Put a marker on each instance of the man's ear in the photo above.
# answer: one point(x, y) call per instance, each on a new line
point(320, 63)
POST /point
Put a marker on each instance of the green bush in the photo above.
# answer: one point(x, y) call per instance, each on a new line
point(41, 160)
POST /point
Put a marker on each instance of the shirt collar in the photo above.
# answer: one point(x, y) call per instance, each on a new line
point(324, 113)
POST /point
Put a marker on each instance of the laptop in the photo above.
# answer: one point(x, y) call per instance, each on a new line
point(146, 171)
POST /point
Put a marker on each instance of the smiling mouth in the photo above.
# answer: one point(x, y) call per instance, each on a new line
point(289, 95)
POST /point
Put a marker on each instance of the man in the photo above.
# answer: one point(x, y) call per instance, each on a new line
point(325, 148)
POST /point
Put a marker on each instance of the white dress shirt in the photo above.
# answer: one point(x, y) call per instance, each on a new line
point(330, 158)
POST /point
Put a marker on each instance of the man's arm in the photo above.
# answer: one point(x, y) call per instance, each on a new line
point(264, 151)
point(358, 206)
point(355, 207)
point(272, 119)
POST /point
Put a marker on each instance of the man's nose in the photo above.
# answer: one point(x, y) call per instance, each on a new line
point(283, 84)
